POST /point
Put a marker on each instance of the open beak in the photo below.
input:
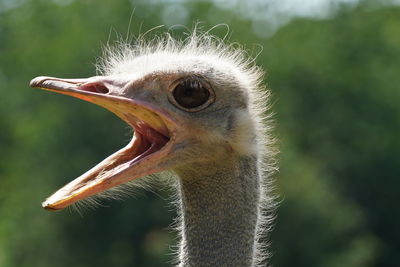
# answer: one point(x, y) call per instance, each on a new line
point(147, 153)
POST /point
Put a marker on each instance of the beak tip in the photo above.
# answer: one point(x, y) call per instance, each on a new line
point(36, 82)
point(49, 207)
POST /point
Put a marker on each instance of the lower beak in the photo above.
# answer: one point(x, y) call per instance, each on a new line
point(149, 151)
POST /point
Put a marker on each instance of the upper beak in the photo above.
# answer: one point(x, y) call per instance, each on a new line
point(147, 153)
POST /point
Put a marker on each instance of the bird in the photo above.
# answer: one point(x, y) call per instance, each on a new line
point(199, 108)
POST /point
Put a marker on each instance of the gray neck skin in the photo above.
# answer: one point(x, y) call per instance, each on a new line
point(219, 213)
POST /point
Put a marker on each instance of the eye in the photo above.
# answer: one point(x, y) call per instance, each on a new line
point(191, 94)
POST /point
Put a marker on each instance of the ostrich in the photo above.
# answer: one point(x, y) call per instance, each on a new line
point(198, 108)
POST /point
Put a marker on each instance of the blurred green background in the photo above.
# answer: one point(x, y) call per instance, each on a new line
point(333, 68)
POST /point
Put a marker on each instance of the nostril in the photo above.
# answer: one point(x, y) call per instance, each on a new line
point(101, 89)
point(95, 88)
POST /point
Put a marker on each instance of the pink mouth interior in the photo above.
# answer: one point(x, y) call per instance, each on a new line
point(149, 139)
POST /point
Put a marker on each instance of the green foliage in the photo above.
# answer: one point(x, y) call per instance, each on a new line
point(338, 92)
point(335, 84)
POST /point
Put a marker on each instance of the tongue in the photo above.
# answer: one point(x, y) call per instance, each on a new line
point(153, 139)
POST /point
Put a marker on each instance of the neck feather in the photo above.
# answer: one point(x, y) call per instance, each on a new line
point(220, 210)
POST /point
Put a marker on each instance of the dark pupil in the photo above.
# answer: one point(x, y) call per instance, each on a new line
point(190, 94)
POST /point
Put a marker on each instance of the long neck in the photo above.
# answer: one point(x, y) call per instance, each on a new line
point(220, 209)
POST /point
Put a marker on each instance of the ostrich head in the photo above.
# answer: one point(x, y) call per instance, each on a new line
point(192, 106)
